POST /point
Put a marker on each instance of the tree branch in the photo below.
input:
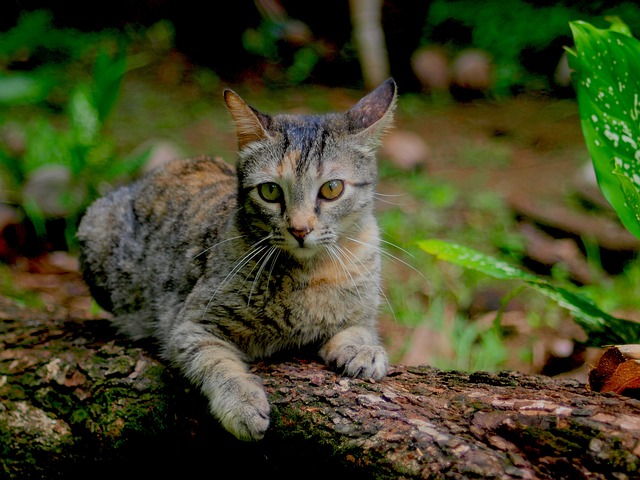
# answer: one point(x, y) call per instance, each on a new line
point(75, 399)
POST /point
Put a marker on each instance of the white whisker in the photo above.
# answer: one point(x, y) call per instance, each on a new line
point(253, 251)
point(217, 245)
point(391, 244)
point(389, 255)
point(378, 194)
point(331, 253)
point(371, 275)
point(344, 266)
point(379, 197)
point(273, 264)
point(264, 260)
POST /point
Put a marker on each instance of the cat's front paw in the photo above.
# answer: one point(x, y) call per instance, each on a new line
point(242, 407)
point(360, 361)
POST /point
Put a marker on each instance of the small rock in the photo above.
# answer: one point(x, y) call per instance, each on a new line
point(161, 152)
point(8, 216)
point(561, 347)
point(562, 73)
point(14, 138)
point(431, 67)
point(407, 150)
point(63, 262)
point(472, 70)
point(49, 187)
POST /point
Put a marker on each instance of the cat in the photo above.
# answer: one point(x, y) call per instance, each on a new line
point(223, 265)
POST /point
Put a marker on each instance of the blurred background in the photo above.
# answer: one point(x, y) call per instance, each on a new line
point(487, 149)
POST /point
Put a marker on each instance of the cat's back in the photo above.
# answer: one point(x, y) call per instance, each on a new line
point(154, 229)
point(184, 186)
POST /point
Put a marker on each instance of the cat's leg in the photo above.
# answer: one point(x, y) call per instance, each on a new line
point(236, 397)
point(357, 352)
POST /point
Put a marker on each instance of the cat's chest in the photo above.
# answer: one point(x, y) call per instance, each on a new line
point(276, 311)
point(296, 315)
point(293, 304)
point(318, 303)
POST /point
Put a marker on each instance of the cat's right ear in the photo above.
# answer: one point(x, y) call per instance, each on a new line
point(250, 124)
point(373, 114)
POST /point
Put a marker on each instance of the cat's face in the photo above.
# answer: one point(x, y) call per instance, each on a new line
point(307, 187)
point(306, 182)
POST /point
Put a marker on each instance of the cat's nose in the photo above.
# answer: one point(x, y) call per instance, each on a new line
point(300, 233)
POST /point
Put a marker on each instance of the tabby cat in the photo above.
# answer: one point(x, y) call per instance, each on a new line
point(222, 266)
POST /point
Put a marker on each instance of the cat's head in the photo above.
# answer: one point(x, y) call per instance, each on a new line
point(306, 181)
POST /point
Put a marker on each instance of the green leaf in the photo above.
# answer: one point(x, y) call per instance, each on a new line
point(304, 61)
point(23, 89)
point(607, 83)
point(617, 25)
point(601, 328)
point(107, 76)
point(472, 259)
point(45, 146)
point(128, 166)
point(631, 193)
point(84, 117)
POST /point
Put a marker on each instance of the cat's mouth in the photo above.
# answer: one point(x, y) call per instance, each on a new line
point(302, 247)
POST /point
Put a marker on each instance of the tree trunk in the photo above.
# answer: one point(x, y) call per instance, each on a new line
point(368, 35)
point(77, 401)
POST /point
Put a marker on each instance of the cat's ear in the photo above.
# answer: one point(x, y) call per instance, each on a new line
point(251, 125)
point(370, 117)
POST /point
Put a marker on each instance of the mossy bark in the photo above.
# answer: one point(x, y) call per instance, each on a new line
point(78, 401)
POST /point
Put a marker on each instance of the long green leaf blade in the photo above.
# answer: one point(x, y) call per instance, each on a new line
point(469, 258)
point(601, 328)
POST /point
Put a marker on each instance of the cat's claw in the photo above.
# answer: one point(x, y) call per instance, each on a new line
point(360, 361)
point(243, 409)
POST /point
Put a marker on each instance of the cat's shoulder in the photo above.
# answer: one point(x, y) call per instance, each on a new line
point(169, 188)
point(195, 167)
point(190, 175)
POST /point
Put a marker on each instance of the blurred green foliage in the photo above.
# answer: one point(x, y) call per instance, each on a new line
point(600, 327)
point(287, 63)
point(607, 64)
point(515, 31)
point(32, 52)
point(76, 77)
point(82, 154)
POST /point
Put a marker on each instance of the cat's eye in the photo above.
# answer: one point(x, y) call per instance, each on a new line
point(270, 192)
point(332, 189)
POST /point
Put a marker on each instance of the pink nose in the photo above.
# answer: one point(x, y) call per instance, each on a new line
point(299, 233)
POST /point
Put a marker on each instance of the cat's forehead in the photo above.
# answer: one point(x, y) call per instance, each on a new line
point(306, 148)
point(302, 127)
point(306, 143)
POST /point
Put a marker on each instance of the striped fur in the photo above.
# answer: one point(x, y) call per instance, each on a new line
point(196, 257)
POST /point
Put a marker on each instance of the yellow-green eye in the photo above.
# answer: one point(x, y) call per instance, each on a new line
point(270, 192)
point(332, 189)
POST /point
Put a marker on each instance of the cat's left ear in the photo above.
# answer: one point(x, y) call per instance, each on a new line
point(373, 114)
point(251, 125)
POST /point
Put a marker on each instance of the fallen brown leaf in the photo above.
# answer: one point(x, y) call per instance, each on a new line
point(618, 371)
